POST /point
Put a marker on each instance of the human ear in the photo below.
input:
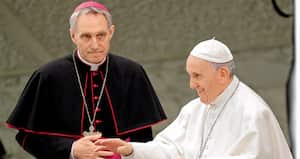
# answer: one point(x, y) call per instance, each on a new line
point(72, 35)
point(223, 74)
point(112, 30)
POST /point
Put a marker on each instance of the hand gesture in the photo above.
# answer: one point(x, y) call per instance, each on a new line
point(86, 148)
point(116, 145)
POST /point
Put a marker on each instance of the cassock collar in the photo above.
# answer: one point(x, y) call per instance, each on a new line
point(227, 93)
point(93, 67)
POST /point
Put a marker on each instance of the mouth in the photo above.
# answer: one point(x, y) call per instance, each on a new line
point(95, 52)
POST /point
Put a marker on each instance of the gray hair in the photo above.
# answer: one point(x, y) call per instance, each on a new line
point(74, 17)
point(230, 65)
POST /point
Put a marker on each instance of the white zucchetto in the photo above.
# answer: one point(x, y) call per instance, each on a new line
point(213, 51)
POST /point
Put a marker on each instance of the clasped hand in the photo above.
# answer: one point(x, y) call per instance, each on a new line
point(95, 147)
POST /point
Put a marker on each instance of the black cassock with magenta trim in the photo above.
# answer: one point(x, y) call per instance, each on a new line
point(50, 113)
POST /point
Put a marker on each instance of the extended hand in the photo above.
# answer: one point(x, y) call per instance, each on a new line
point(116, 145)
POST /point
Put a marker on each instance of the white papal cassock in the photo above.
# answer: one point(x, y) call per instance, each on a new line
point(237, 125)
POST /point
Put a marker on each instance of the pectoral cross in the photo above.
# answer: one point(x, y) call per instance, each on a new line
point(91, 131)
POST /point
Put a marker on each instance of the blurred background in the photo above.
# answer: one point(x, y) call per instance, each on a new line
point(159, 35)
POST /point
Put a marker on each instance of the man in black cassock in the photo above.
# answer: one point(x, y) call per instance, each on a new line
point(69, 103)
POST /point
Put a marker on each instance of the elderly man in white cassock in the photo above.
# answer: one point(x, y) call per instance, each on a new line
point(228, 120)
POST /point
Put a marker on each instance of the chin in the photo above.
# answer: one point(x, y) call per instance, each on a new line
point(97, 59)
point(204, 101)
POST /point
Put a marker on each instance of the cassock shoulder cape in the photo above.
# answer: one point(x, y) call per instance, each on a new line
point(51, 102)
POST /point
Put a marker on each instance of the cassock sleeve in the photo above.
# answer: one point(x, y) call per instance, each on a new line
point(262, 138)
point(45, 146)
point(167, 144)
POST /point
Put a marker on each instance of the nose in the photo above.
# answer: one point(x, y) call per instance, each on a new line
point(94, 43)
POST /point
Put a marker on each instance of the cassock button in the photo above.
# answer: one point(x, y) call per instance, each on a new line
point(96, 97)
point(98, 121)
point(98, 109)
point(95, 73)
point(95, 85)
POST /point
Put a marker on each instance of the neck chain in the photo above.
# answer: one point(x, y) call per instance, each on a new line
point(91, 127)
point(203, 144)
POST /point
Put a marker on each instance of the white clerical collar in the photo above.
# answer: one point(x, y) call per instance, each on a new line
point(94, 67)
point(227, 93)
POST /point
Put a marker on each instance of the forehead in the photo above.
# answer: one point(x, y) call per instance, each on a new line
point(197, 65)
point(91, 21)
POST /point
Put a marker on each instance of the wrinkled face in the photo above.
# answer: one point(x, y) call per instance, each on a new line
point(204, 78)
point(92, 36)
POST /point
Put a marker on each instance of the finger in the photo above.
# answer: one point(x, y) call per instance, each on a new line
point(101, 148)
point(112, 142)
point(98, 142)
point(92, 137)
point(104, 153)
